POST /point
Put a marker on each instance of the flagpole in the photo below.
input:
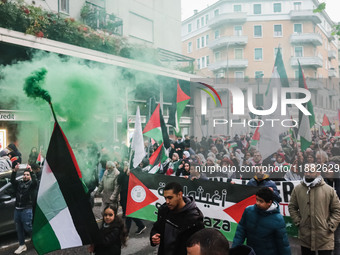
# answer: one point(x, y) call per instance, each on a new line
point(54, 116)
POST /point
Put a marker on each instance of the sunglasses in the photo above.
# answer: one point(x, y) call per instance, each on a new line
point(108, 214)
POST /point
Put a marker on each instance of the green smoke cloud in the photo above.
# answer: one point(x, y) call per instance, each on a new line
point(32, 86)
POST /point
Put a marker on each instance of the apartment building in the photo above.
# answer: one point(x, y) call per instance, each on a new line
point(239, 40)
point(142, 21)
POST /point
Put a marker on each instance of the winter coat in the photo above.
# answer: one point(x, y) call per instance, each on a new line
point(316, 212)
point(266, 183)
point(265, 231)
point(109, 186)
point(5, 164)
point(242, 250)
point(109, 241)
point(175, 228)
point(25, 191)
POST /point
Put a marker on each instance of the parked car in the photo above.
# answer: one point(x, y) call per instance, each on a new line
point(7, 202)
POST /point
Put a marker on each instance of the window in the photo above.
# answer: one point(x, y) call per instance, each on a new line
point(298, 28)
point(208, 61)
point(296, 72)
point(202, 21)
point(298, 50)
point(206, 39)
point(258, 54)
point(259, 75)
point(237, 8)
point(202, 41)
point(189, 28)
point(64, 6)
point(203, 62)
point(257, 31)
point(239, 74)
point(297, 6)
point(216, 12)
point(238, 53)
point(217, 34)
point(238, 30)
point(189, 47)
point(198, 23)
point(257, 8)
point(277, 30)
point(198, 43)
point(277, 7)
point(217, 56)
point(206, 19)
point(198, 63)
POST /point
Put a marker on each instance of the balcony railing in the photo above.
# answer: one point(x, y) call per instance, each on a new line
point(233, 17)
point(332, 54)
point(305, 15)
point(228, 40)
point(96, 17)
point(229, 64)
point(331, 73)
point(315, 61)
point(310, 38)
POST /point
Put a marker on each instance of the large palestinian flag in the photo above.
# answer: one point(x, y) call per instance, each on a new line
point(221, 203)
point(177, 108)
point(63, 215)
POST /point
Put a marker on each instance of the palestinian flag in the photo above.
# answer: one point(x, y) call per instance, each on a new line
point(63, 215)
point(326, 125)
point(232, 145)
point(177, 108)
point(256, 137)
point(221, 203)
point(270, 137)
point(157, 158)
point(304, 120)
point(156, 129)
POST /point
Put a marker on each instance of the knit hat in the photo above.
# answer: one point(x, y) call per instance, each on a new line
point(3, 153)
point(187, 154)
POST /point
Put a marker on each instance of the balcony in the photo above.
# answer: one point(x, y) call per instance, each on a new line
point(330, 36)
point(96, 17)
point(315, 61)
point(305, 15)
point(311, 38)
point(332, 54)
point(230, 64)
point(315, 84)
point(233, 17)
point(331, 73)
point(228, 40)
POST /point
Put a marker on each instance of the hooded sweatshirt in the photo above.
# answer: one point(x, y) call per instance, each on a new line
point(175, 228)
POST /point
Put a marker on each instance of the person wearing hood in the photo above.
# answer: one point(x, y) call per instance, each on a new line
point(109, 186)
point(14, 154)
point(315, 209)
point(177, 220)
point(5, 162)
point(263, 226)
point(261, 179)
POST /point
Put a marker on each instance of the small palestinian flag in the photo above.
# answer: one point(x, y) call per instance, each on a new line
point(256, 137)
point(156, 159)
point(156, 129)
point(232, 145)
point(63, 215)
point(177, 108)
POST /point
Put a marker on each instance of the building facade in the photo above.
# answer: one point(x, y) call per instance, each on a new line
point(238, 41)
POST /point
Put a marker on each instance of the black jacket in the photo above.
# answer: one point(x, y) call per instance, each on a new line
point(175, 228)
point(109, 241)
point(25, 191)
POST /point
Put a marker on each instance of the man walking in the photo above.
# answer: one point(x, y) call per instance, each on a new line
point(178, 218)
point(25, 190)
point(315, 209)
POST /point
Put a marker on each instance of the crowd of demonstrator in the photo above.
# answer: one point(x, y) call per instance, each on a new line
point(179, 228)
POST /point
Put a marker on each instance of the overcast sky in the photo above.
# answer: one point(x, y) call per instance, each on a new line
point(188, 7)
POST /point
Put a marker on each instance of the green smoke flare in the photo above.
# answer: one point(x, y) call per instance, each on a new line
point(33, 84)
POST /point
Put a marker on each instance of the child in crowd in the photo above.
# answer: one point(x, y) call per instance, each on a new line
point(113, 234)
